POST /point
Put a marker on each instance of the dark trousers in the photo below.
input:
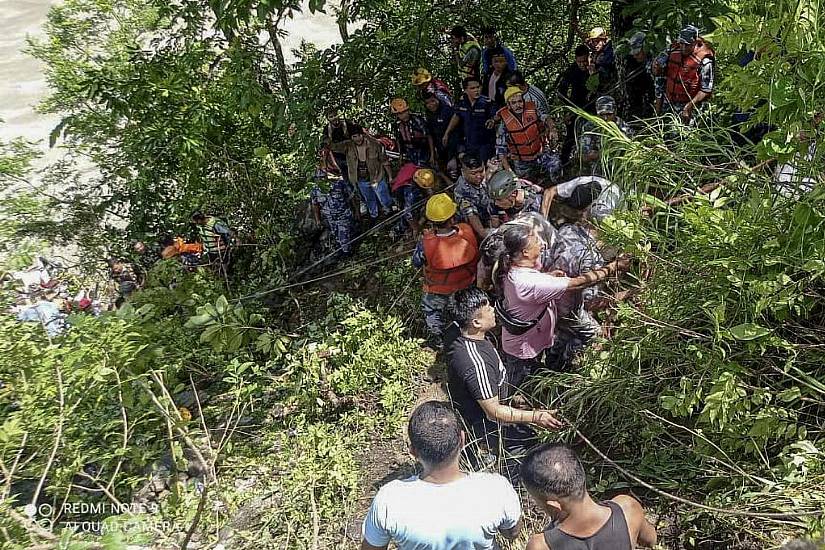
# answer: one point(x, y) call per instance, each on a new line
point(569, 140)
point(508, 442)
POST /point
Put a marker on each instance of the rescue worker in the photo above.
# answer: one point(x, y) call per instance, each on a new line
point(408, 195)
point(414, 141)
point(448, 253)
point(640, 84)
point(474, 205)
point(492, 43)
point(513, 196)
point(333, 204)
point(426, 84)
point(438, 115)
point(594, 197)
point(688, 74)
point(602, 66)
point(591, 142)
point(425, 179)
point(179, 247)
point(466, 53)
point(216, 238)
point(521, 144)
point(369, 168)
point(494, 82)
point(572, 88)
point(475, 114)
point(337, 130)
point(530, 93)
point(128, 277)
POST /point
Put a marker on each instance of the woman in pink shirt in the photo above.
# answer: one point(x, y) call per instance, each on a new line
point(530, 296)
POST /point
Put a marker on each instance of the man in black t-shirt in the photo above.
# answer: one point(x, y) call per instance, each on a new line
point(572, 88)
point(338, 129)
point(478, 383)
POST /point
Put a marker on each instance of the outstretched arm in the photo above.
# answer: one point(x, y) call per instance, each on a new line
point(597, 275)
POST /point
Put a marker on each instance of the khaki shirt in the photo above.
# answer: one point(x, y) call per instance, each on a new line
point(376, 158)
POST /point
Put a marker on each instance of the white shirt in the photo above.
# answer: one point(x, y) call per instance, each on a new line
point(463, 514)
point(610, 198)
point(791, 182)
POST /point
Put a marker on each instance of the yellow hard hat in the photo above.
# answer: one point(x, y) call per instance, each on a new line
point(421, 76)
point(597, 32)
point(440, 208)
point(398, 105)
point(425, 178)
point(511, 91)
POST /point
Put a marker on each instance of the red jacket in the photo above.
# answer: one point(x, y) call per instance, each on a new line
point(683, 75)
point(524, 138)
point(450, 260)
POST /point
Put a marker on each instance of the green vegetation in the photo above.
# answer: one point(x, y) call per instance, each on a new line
point(257, 417)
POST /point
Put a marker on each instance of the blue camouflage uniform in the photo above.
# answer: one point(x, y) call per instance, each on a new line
point(576, 252)
point(433, 305)
point(592, 141)
point(533, 196)
point(472, 200)
point(336, 212)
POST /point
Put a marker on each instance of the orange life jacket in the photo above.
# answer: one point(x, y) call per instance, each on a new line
point(524, 139)
point(451, 260)
point(683, 78)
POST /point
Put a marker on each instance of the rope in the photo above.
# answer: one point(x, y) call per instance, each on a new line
point(349, 269)
point(714, 509)
point(370, 231)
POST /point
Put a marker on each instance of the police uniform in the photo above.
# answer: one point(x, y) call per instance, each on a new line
point(592, 141)
point(473, 201)
point(575, 253)
point(533, 196)
point(336, 212)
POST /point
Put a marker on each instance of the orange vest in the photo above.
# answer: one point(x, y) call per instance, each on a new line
point(683, 80)
point(451, 260)
point(524, 138)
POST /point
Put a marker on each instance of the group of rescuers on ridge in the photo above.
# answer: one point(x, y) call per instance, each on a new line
point(488, 167)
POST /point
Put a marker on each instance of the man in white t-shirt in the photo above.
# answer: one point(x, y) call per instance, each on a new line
point(442, 508)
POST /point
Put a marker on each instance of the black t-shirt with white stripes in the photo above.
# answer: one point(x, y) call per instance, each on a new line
point(476, 373)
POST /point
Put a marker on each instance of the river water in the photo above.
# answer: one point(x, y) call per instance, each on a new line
point(23, 85)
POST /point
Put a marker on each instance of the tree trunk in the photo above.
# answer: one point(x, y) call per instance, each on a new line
point(283, 76)
point(343, 17)
point(620, 24)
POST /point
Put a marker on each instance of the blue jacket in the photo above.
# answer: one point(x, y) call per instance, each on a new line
point(487, 59)
point(473, 120)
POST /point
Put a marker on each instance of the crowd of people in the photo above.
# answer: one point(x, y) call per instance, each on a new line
point(513, 272)
point(503, 202)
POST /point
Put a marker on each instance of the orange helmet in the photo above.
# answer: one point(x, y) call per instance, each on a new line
point(398, 105)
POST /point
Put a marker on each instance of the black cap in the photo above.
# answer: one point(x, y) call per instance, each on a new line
point(584, 195)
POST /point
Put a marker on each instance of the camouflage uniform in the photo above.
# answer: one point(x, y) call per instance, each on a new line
point(533, 196)
point(336, 212)
point(592, 141)
point(575, 253)
point(492, 246)
point(433, 305)
point(473, 201)
point(545, 168)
